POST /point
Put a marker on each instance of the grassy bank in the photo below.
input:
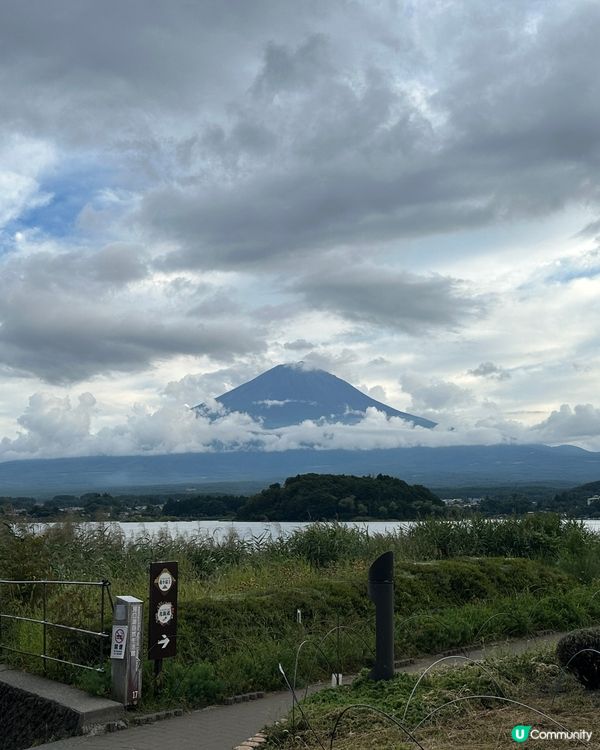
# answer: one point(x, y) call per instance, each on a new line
point(363, 713)
point(456, 584)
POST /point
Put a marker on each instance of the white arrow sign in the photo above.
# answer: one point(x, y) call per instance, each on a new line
point(164, 641)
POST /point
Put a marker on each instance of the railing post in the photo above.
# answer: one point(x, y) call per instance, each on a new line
point(101, 654)
point(44, 627)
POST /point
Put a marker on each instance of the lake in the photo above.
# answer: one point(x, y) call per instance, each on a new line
point(220, 530)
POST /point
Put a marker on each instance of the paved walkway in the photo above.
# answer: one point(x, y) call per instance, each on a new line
point(224, 727)
point(214, 728)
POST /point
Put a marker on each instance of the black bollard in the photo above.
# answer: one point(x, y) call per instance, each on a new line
point(381, 593)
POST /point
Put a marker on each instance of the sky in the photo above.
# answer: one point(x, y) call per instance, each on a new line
point(404, 194)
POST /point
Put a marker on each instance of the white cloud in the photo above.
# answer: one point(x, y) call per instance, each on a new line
point(23, 161)
point(54, 426)
point(434, 395)
point(579, 424)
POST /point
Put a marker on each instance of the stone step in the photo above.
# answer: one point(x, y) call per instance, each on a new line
point(36, 709)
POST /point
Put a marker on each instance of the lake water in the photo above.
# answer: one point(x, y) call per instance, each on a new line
point(243, 529)
point(251, 529)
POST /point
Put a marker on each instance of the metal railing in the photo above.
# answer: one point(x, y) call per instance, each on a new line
point(101, 635)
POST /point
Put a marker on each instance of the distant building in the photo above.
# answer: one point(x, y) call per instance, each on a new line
point(593, 499)
point(461, 502)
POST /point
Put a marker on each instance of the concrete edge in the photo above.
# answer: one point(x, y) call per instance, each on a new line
point(91, 711)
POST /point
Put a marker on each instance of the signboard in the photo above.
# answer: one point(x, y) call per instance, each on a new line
point(118, 644)
point(162, 625)
point(126, 664)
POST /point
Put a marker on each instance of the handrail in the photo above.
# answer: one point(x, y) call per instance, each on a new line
point(101, 635)
point(55, 625)
point(65, 583)
point(53, 658)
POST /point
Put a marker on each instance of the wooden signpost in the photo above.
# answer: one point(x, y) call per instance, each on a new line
point(162, 615)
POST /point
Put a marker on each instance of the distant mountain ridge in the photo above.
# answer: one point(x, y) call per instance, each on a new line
point(289, 394)
point(483, 465)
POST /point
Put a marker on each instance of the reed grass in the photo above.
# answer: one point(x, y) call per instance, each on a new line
point(460, 581)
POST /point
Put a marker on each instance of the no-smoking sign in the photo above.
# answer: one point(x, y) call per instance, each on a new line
point(118, 642)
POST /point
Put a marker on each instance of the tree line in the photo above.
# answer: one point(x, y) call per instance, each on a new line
point(308, 497)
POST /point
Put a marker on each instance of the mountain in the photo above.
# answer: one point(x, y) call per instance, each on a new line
point(481, 465)
point(287, 395)
point(292, 393)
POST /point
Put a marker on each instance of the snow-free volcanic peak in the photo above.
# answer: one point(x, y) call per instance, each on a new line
point(292, 393)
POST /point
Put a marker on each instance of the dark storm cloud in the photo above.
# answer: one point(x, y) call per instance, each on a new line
point(364, 153)
point(97, 71)
point(68, 316)
point(113, 266)
point(490, 370)
point(277, 137)
point(299, 345)
point(71, 342)
point(294, 215)
point(382, 297)
point(285, 69)
point(268, 131)
point(247, 137)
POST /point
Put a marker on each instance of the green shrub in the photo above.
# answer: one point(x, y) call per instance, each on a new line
point(579, 652)
point(97, 683)
point(197, 685)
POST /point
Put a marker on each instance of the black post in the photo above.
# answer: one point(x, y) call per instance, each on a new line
point(339, 659)
point(158, 665)
point(381, 593)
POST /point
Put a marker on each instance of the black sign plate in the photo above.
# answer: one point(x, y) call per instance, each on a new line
point(162, 614)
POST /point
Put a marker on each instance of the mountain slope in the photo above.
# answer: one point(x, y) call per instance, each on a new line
point(483, 465)
point(584, 499)
point(290, 394)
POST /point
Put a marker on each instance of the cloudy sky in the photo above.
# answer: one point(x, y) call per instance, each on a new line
point(406, 194)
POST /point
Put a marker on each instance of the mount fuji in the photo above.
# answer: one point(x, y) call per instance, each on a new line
point(289, 395)
point(293, 393)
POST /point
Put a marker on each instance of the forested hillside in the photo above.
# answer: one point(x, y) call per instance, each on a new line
point(579, 501)
point(326, 496)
